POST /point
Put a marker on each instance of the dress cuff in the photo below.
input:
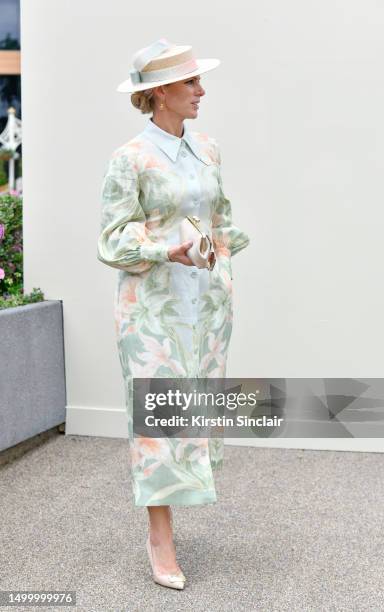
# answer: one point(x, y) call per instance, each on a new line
point(154, 252)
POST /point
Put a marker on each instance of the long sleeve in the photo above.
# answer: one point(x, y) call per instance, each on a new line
point(125, 242)
point(224, 233)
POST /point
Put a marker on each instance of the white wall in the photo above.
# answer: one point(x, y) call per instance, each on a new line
point(297, 107)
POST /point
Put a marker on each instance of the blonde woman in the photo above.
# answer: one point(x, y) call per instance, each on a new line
point(173, 319)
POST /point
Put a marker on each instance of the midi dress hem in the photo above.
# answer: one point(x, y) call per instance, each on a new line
point(183, 498)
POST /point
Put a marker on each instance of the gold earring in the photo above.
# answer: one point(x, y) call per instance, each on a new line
point(161, 106)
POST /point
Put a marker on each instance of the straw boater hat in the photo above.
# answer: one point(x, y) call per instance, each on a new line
point(162, 63)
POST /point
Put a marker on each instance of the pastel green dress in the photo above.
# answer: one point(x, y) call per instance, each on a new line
point(171, 320)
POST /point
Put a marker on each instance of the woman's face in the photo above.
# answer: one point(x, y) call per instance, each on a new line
point(182, 97)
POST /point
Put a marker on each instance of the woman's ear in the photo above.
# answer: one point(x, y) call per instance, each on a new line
point(158, 93)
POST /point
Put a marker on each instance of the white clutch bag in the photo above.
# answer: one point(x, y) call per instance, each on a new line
point(201, 252)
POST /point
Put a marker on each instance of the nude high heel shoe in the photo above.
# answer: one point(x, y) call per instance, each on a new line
point(174, 581)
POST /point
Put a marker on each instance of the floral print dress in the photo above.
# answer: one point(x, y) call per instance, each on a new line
point(171, 320)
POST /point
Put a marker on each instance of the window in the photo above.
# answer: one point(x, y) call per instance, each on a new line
point(9, 25)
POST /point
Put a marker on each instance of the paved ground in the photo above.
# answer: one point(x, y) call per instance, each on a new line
point(293, 531)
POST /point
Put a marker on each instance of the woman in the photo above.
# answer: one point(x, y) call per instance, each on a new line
point(173, 319)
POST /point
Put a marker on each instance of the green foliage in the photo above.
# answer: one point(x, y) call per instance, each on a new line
point(36, 295)
point(3, 173)
point(19, 167)
point(11, 255)
point(11, 245)
point(9, 43)
point(6, 154)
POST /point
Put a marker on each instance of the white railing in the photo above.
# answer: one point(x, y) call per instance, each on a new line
point(10, 139)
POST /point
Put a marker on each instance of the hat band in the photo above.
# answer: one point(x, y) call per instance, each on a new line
point(144, 56)
point(151, 76)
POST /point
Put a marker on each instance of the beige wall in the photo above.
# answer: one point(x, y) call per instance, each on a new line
point(297, 109)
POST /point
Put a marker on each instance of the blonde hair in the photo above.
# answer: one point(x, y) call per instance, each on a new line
point(144, 100)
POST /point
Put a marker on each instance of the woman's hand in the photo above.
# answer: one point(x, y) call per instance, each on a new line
point(178, 253)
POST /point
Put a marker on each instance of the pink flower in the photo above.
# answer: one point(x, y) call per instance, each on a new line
point(216, 351)
point(2, 231)
point(155, 355)
point(2, 273)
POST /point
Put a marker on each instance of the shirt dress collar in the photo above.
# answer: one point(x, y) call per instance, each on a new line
point(170, 144)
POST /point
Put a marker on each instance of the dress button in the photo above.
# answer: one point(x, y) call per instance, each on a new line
point(184, 154)
point(194, 274)
point(194, 301)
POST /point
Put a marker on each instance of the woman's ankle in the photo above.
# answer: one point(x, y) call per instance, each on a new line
point(160, 537)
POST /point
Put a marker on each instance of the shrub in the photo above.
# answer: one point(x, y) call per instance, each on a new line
point(11, 245)
point(36, 295)
point(3, 174)
point(11, 254)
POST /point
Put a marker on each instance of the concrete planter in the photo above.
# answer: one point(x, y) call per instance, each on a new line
point(32, 371)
